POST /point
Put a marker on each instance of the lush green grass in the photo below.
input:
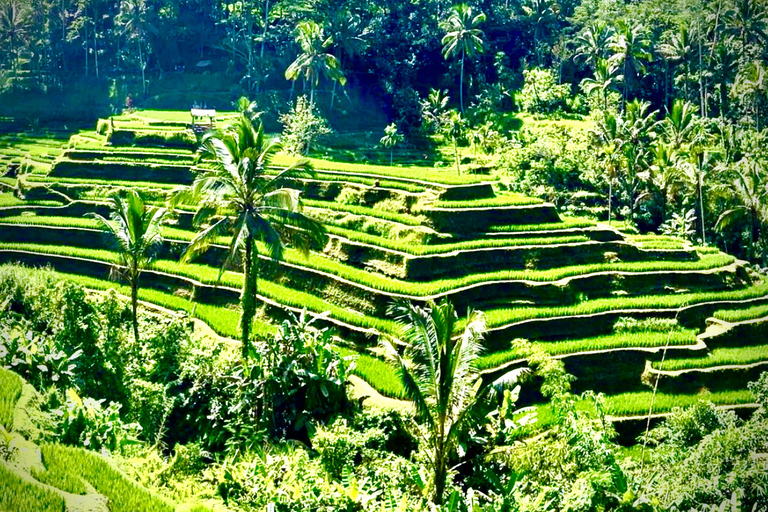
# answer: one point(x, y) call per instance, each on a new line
point(8, 199)
point(634, 404)
point(741, 315)
point(401, 218)
point(499, 200)
point(123, 495)
point(379, 374)
point(425, 250)
point(448, 176)
point(429, 288)
point(567, 223)
point(19, 495)
point(718, 357)
point(60, 476)
point(612, 341)
point(100, 183)
point(658, 242)
point(208, 275)
point(505, 316)
point(10, 392)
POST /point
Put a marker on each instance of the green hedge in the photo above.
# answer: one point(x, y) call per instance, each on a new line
point(173, 139)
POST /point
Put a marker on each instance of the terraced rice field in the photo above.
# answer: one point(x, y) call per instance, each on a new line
point(412, 232)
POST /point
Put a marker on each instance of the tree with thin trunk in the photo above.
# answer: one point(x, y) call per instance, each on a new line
point(667, 176)
point(541, 13)
point(134, 22)
point(604, 81)
point(439, 371)
point(463, 39)
point(748, 189)
point(237, 197)
point(630, 51)
point(391, 139)
point(348, 36)
point(314, 61)
point(593, 44)
point(679, 49)
point(136, 231)
point(607, 136)
point(15, 26)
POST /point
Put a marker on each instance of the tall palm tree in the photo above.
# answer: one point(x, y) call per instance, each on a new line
point(680, 49)
point(15, 26)
point(748, 21)
point(313, 60)
point(440, 375)
point(463, 38)
point(607, 136)
point(593, 43)
point(606, 77)
point(726, 65)
point(638, 130)
point(681, 124)
point(133, 21)
point(135, 229)
point(347, 33)
point(541, 13)
point(666, 173)
point(752, 86)
point(630, 51)
point(391, 139)
point(748, 188)
point(237, 197)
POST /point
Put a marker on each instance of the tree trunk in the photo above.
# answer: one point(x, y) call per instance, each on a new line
point(248, 296)
point(264, 32)
point(723, 99)
point(143, 68)
point(701, 207)
point(610, 198)
point(135, 301)
point(95, 52)
point(391, 155)
point(456, 155)
point(440, 476)
point(461, 84)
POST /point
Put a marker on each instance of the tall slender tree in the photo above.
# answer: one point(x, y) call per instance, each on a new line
point(15, 30)
point(593, 43)
point(238, 198)
point(314, 60)
point(463, 39)
point(135, 229)
point(630, 52)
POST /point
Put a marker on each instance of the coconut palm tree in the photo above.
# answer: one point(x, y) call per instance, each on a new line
point(752, 86)
point(748, 188)
point(680, 49)
point(606, 77)
point(133, 22)
point(607, 136)
point(463, 38)
point(347, 35)
point(593, 43)
point(15, 25)
point(440, 375)
point(237, 197)
point(313, 60)
point(726, 65)
point(667, 176)
point(391, 139)
point(630, 51)
point(135, 230)
point(541, 13)
point(681, 124)
point(748, 21)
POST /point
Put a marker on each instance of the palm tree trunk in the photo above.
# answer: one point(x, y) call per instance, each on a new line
point(440, 474)
point(461, 83)
point(248, 297)
point(135, 301)
point(701, 208)
point(391, 155)
point(143, 68)
point(610, 196)
point(456, 156)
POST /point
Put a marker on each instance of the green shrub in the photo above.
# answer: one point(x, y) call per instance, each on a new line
point(340, 446)
point(123, 494)
point(149, 406)
point(19, 495)
point(303, 126)
point(541, 93)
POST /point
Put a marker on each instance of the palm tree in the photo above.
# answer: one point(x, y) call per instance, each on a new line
point(440, 375)
point(540, 13)
point(726, 65)
point(463, 38)
point(313, 60)
point(680, 49)
point(236, 196)
point(747, 20)
point(667, 175)
point(135, 229)
point(132, 19)
point(391, 139)
point(638, 130)
point(347, 34)
point(456, 128)
point(593, 43)
point(749, 191)
point(630, 49)
point(607, 135)
point(752, 84)
point(681, 124)
point(604, 80)
point(15, 26)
